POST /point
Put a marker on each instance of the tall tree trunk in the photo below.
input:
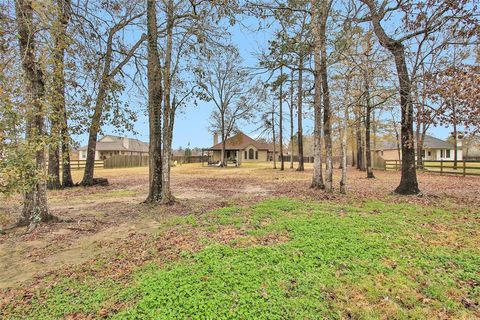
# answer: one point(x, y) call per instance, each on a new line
point(359, 142)
point(343, 180)
point(368, 151)
point(327, 110)
point(419, 141)
point(301, 166)
point(168, 110)
point(155, 97)
point(92, 136)
point(35, 208)
point(222, 154)
point(344, 141)
point(59, 104)
point(408, 182)
point(54, 181)
point(419, 146)
point(317, 179)
point(455, 147)
point(280, 123)
point(104, 86)
point(292, 107)
point(274, 138)
point(58, 99)
point(67, 180)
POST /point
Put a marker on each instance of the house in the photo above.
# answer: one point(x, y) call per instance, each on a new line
point(433, 149)
point(110, 145)
point(241, 148)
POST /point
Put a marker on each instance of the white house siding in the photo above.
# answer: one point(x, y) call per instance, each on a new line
point(441, 154)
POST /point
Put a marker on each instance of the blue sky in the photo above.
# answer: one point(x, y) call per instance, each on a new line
point(192, 122)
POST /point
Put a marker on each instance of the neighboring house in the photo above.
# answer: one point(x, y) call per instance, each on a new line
point(433, 149)
point(241, 148)
point(109, 146)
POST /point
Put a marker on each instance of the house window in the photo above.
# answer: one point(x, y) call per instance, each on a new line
point(246, 155)
point(250, 154)
point(429, 153)
point(423, 153)
point(256, 155)
point(441, 153)
point(447, 153)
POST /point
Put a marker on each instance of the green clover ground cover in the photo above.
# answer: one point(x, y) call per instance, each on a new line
point(368, 261)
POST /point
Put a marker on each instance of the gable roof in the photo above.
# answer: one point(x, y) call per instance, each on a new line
point(241, 141)
point(429, 142)
point(116, 143)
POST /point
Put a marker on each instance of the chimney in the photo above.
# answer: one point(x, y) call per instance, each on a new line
point(215, 138)
point(459, 141)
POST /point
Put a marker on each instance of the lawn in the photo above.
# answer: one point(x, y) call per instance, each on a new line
point(267, 254)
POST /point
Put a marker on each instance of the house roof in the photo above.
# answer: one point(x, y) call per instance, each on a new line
point(115, 143)
point(434, 143)
point(241, 141)
point(429, 142)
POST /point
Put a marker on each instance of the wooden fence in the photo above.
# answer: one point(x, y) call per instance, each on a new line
point(464, 167)
point(125, 161)
point(80, 164)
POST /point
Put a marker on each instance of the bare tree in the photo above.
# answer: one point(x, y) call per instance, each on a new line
point(229, 86)
point(110, 69)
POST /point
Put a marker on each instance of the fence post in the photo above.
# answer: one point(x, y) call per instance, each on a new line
point(441, 167)
point(464, 167)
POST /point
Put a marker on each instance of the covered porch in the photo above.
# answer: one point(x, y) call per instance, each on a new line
point(214, 156)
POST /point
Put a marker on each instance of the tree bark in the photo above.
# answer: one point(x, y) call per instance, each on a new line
point(280, 122)
point(317, 179)
point(419, 144)
point(155, 97)
point(301, 166)
point(368, 151)
point(274, 158)
point(292, 135)
point(359, 142)
point(455, 147)
point(59, 119)
point(168, 111)
point(408, 182)
point(35, 208)
point(327, 111)
point(222, 154)
point(54, 181)
point(343, 180)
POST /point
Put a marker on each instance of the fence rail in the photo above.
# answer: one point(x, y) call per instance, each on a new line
point(463, 167)
point(80, 164)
